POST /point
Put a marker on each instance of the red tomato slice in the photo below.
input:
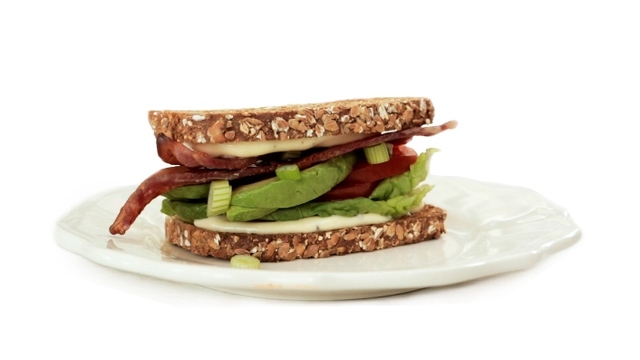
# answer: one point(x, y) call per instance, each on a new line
point(349, 191)
point(400, 160)
point(364, 177)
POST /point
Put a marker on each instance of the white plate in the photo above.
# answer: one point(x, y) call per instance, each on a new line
point(491, 229)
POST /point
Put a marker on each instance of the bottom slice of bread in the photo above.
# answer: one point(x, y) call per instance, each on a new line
point(425, 224)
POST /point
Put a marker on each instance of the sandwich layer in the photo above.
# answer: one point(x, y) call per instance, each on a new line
point(425, 224)
point(363, 116)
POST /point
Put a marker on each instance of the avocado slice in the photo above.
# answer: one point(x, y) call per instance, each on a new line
point(186, 211)
point(241, 213)
point(189, 192)
point(276, 193)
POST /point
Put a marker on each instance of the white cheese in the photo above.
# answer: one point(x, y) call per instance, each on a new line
point(306, 225)
point(257, 148)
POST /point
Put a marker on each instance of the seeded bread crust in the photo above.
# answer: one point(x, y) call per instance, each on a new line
point(360, 116)
point(426, 224)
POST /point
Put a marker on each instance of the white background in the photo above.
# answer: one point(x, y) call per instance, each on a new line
point(546, 94)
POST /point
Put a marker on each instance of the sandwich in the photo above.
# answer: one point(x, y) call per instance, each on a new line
point(292, 182)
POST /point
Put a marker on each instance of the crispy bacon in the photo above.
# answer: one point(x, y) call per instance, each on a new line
point(175, 153)
point(170, 178)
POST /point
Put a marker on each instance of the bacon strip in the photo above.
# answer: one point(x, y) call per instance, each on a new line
point(175, 153)
point(170, 178)
point(338, 150)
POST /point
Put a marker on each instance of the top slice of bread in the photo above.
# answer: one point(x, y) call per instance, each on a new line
point(361, 116)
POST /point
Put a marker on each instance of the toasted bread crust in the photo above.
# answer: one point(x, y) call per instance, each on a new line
point(426, 224)
point(360, 116)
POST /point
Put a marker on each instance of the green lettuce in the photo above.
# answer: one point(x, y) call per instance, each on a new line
point(394, 207)
point(404, 183)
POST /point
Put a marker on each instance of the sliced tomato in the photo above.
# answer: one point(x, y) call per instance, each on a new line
point(400, 160)
point(349, 191)
point(364, 177)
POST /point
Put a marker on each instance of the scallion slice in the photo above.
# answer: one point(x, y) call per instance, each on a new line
point(288, 172)
point(376, 154)
point(219, 197)
point(245, 262)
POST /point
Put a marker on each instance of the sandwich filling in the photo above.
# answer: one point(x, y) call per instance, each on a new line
point(373, 174)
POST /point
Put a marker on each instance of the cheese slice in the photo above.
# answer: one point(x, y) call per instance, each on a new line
point(257, 148)
point(306, 225)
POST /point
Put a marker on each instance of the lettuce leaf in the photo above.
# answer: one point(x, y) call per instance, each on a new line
point(394, 207)
point(404, 183)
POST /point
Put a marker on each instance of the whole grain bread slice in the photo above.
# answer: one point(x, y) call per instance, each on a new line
point(359, 116)
point(426, 224)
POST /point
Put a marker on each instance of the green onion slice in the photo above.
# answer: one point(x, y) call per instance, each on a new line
point(377, 154)
point(245, 262)
point(288, 172)
point(219, 197)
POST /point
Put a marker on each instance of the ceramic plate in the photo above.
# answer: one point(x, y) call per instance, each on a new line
point(491, 229)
